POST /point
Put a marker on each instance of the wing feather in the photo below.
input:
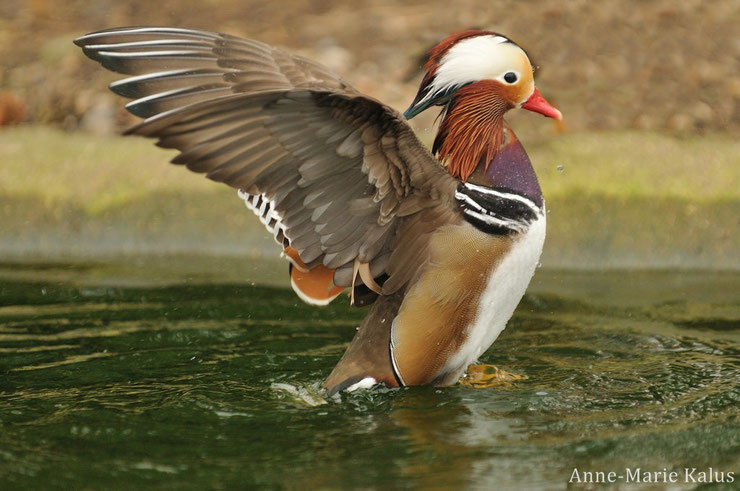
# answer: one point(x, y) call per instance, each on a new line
point(344, 175)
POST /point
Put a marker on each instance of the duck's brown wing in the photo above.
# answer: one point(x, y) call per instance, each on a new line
point(174, 67)
point(338, 175)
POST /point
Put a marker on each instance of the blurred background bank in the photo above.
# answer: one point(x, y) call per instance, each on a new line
point(643, 173)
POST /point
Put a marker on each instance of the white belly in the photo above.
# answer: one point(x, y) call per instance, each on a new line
point(502, 294)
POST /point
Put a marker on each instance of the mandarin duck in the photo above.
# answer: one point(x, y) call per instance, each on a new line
point(441, 245)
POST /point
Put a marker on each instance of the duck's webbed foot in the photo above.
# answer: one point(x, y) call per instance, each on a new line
point(484, 376)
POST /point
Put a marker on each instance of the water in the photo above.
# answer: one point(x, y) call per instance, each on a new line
point(121, 375)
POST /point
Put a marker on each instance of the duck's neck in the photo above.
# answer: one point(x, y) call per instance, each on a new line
point(478, 146)
point(472, 129)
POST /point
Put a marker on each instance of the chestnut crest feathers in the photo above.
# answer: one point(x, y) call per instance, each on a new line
point(468, 57)
point(477, 76)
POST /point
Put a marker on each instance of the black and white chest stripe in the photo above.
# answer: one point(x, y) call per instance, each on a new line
point(497, 211)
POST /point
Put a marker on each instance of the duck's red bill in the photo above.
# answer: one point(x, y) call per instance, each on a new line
point(538, 104)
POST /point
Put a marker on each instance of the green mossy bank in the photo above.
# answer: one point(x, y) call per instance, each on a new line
point(621, 199)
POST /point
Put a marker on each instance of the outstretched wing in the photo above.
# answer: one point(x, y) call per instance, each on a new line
point(333, 172)
point(175, 67)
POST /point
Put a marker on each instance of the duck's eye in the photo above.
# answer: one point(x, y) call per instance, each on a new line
point(510, 77)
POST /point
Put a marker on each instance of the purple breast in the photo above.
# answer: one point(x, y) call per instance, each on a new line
point(512, 169)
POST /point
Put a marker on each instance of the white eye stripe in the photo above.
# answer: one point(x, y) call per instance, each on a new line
point(473, 59)
point(500, 39)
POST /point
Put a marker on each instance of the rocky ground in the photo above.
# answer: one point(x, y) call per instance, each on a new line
point(659, 64)
point(643, 172)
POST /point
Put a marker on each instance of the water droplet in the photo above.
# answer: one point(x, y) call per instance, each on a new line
point(560, 168)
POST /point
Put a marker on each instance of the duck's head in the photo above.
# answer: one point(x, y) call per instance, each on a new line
point(480, 62)
point(477, 76)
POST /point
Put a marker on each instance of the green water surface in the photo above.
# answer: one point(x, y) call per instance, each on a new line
point(123, 375)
